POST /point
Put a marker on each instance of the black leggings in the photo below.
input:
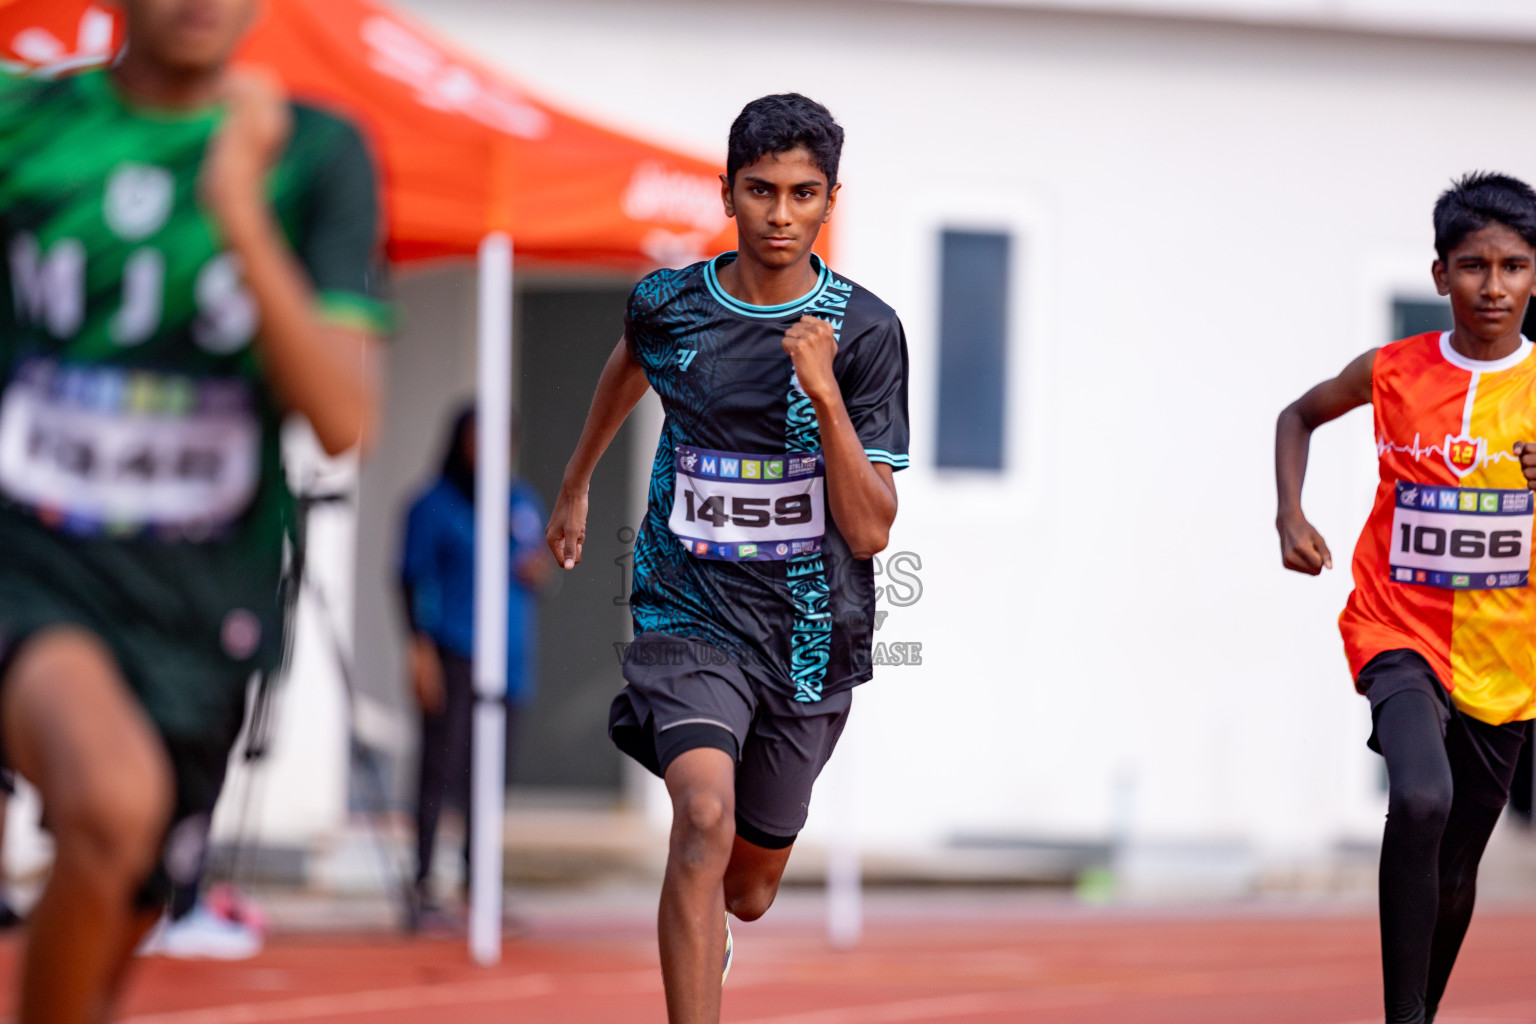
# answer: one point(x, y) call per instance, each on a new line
point(447, 739)
point(1447, 787)
point(445, 761)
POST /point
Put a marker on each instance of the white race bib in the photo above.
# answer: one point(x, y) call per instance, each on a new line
point(103, 449)
point(748, 507)
point(1461, 538)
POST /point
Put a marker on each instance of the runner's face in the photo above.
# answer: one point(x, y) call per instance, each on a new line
point(1489, 278)
point(187, 35)
point(780, 204)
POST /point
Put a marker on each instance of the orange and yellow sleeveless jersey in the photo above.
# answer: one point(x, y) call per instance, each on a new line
point(1443, 566)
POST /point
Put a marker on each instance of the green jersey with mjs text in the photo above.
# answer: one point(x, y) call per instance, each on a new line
point(141, 488)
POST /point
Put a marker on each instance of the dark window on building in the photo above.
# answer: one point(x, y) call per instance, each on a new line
point(1419, 316)
point(974, 268)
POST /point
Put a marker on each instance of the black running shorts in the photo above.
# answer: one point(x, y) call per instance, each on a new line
point(683, 694)
point(1483, 756)
point(198, 733)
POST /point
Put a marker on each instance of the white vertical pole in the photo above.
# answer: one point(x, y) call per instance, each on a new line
point(493, 423)
point(845, 883)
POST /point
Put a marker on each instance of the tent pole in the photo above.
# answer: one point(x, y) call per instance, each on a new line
point(845, 885)
point(492, 487)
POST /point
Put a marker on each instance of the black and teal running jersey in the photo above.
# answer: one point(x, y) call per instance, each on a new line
point(140, 474)
point(738, 547)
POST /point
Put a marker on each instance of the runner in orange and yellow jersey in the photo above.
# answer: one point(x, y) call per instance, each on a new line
point(1453, 521)
point(1438, 628)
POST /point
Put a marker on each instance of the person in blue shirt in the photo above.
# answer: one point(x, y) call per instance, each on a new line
point(437, 574)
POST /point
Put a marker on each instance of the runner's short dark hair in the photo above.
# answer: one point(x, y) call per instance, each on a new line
point(1479, 199)
point(780, 123)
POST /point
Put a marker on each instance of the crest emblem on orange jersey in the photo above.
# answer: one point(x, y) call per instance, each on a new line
point(1463, 453)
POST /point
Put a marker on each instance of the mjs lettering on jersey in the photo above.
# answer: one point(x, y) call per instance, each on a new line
point(97, 448)
point(49, 283)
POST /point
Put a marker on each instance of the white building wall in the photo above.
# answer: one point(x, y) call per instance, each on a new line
point(1458, 18)
point(1210, 218)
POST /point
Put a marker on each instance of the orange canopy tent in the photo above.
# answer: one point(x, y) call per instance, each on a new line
point(469, 160)
point(464, 151)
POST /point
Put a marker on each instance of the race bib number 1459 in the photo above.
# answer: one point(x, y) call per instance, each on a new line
point(748, 507)
point(1461, 538)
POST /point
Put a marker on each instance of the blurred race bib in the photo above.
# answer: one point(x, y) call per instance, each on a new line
point(103, 449)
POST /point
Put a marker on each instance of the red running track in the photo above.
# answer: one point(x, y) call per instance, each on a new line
point(1068, 967)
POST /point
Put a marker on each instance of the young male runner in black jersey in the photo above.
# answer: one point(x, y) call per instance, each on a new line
point(785, 393)
point(188, 258)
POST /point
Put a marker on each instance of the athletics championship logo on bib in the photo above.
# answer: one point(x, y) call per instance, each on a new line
point(1461, 538)
point(735, 507)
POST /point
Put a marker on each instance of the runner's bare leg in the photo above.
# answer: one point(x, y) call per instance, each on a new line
point(72, 728)
point(140, 924)
point(752, 878)
point(691, 920)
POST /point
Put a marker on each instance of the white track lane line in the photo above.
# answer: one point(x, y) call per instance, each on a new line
point(407, 997)
point(941, 1007)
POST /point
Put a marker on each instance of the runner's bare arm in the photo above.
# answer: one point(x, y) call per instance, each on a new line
point(1302, 548)
point(860, 494)
point(620, 387)
point(327, 373)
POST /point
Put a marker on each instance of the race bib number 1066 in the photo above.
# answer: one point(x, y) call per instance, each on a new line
point(748, 507)
point(1461, 538)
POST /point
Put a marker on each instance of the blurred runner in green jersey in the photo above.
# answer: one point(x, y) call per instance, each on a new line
point(188, 258)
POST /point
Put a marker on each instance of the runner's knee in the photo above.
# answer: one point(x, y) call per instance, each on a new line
point(751, 899)
point(112, 820)
point(704, 813)
point(703, 825)
point(75, 732)
point(1423, 802)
